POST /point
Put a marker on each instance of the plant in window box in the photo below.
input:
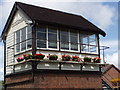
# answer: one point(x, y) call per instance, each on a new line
point(96, 60)
point(29, 56)
point(87, 59)
point(75, 58)
point(39, 56)
point(53, 57)
point(66, 57)
point(19, 59)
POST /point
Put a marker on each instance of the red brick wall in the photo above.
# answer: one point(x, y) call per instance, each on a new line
point(63, 80)
point(57, 80)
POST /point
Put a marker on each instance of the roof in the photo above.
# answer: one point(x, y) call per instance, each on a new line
point(108, 67)
point(40, 14)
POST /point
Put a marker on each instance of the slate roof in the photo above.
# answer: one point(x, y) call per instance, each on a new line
point(40, 14)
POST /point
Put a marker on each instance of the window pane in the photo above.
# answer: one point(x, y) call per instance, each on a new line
point(73, 39)
point(64, 38)
point(29, 44)
point(18, 36)
point(52, 30)
point(18, 48)
point(93, 49)
point(41, 29)
point(29, 29)
point(29, 35)
point(74, 47)
point(41, 43)
point(52, 37)
point(23, 46)
point(41, 35)
point(52, 44)
point(64, 45)
point(92, 36)
point(29, 32)
point(84, 39)
point(85, 48)
point(73, 33)
point(23, 34)
point(64, 32)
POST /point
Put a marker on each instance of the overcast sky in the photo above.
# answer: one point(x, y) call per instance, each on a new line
point(102, 13)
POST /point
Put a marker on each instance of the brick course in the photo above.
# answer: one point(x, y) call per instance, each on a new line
point(56, 80)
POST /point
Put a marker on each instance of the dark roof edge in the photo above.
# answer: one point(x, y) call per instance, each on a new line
point(109, 67)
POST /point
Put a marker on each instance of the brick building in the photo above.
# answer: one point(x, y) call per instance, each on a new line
point(37, 32)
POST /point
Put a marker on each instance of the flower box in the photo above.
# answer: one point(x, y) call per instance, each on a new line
point(53, 57)
point(19, 59)
point(87, 59)
point(75, 58)
point(29, 56)
point(39, 56)
point(96, 60)
point(66, 57)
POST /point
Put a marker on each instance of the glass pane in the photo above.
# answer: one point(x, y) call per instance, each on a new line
point(92, 36)
point(52, 44)
point(17, 40)
point(41, 35)
point(85, 48)
point(18, 36)
point(41, 29)
point(29, 44)
point(93, 49)
point(73, 34)
point(18, 48)
point(84, 39)
point(92, 42)
point(64, 32)
point(23, 46)
point(41, 43)
point(29, 35)
point(64, 38)
point(52, 29)
point(23, 34)
point(73, 39)
point(74, 47)
point(64, 45)
point(29, 29)
point(52, 37)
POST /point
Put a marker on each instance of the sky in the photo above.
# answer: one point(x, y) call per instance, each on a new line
point(102, 13)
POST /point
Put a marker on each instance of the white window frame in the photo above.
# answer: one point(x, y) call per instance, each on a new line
point(47, 40)
point(21, 51)
point(70, 45)
point(88, 37)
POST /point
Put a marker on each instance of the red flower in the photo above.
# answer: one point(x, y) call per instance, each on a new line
point(39, 54)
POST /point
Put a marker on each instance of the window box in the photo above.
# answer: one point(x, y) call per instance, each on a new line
point(87, 59)
point(96, 60)
point(66, 57)
point(53, 57)
point(39, 56)
point(19, 59)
